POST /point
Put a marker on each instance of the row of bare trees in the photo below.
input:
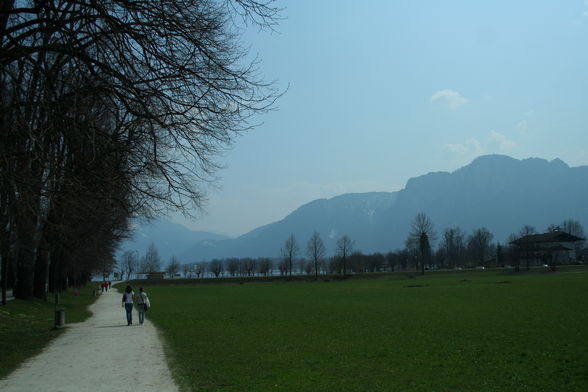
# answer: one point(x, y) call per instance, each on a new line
point(290, 262)
point(458, 250)
point(109, 110)
point(316, 252)
point(131, 264)
point(264, 266)
point(455, 249)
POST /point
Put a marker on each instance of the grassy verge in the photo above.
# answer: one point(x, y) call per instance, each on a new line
point(26, 327)
point(466, 331)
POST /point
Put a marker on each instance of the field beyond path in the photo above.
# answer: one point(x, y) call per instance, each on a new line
point(100, 354)
point(446, 331)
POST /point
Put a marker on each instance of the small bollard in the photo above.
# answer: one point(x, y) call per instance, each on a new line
point(59, 318)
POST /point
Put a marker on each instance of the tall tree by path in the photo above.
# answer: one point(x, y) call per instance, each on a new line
point(151, 90)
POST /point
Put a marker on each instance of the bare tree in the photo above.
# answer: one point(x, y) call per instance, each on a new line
point(315, 250)
point(421, 235)
point(151, 261)
point(173, 267)
point(232, 266)
point(479, 244)
point(186, 270)
point(289, 252)
point(283, 266)
point(454, 246)
point(129, 263)
point(572, 227)
point(307, 267)
point(153, 89)
point(199, 269)
point(344, 249)
point(264, 266)
point(249, 266)
point(499, 255)
point(216, 267)
point(512, 252)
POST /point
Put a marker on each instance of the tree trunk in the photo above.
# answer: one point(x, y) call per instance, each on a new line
point(55, 269)
point(41, 271)
point(25, 270)
point(27, 250)
point(5, 257)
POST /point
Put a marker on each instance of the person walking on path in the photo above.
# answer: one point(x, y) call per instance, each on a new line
point(127, 302)
point(142, 304)
point(97, 355)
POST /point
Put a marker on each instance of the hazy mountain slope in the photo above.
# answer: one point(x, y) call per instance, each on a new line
point(169, 238)
point(351, 214)
point(494, 191)
point(498, 192)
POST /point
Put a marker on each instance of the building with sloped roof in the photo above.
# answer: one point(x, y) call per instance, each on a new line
point(551, 248)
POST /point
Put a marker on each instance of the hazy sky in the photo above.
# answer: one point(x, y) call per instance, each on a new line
point(381, 91)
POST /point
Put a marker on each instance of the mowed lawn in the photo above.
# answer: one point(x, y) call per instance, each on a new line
point(476, 331)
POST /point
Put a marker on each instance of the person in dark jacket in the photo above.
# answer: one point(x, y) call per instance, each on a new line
point(127, 302)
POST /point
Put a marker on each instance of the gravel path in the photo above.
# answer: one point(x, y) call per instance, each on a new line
point(100, 354)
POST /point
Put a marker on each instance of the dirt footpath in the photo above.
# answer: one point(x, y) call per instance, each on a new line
point(100, 354)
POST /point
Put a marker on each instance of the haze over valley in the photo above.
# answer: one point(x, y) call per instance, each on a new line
point(497, 192)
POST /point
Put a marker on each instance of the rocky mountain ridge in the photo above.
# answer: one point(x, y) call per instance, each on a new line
point(494, 191)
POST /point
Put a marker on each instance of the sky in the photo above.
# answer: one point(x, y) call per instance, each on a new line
point(382, 91)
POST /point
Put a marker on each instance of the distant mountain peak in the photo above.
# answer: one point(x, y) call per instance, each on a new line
point(495, 191)
point(559, 163)
point(493, 158)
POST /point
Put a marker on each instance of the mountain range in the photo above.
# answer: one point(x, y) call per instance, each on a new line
point(494, 191)
point(170, 239)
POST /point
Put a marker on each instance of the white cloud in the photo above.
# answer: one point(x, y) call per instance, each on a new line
point(452, 99)
point(497, 142)
point(471, 148)
point(523, 126)
point(468, 148)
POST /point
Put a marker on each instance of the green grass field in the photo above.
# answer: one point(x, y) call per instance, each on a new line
point(26, 327)
point(459, 331)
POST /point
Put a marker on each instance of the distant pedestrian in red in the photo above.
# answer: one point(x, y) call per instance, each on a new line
point(102, 286)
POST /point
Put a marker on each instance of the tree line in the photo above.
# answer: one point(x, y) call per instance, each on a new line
point(111, 110)
point(455, 249)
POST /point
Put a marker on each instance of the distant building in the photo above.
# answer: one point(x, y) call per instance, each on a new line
point(552, 248)
point(583, 255)
point(152, 275)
